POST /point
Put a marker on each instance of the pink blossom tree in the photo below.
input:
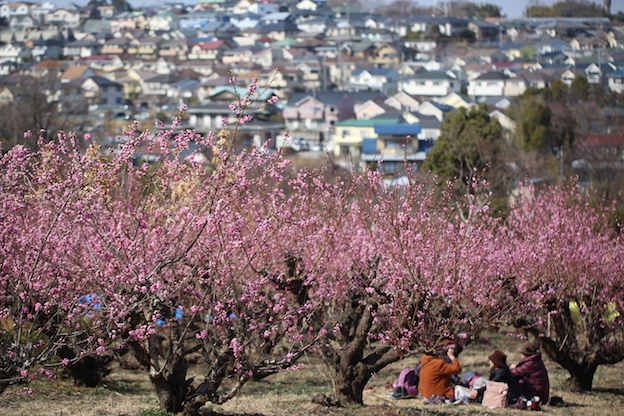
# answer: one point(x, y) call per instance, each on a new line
point(164, 259)
point(407, 271)
point(570, 278)
point(42, 302)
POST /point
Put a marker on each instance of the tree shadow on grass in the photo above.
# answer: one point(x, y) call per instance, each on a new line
point(617, 392)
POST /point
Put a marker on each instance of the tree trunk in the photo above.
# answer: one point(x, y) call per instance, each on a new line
point(171, 385)
point(350, 383)
point(581, 376)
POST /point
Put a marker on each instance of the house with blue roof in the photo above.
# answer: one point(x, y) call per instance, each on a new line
point(396, 145)
point(349, 135)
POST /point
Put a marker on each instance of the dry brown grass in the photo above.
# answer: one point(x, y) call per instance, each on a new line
point(288, 394)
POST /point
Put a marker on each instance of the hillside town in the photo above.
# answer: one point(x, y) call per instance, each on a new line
point(353, 83)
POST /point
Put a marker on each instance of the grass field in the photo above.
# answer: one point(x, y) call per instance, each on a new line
point(288, 394)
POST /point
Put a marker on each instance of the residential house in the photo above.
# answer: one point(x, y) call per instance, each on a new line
point(402, 101)
point(537, 79)
point(587, 43)
point(63, 18)
point(431, 129)
point(209, 117)
point(313, 115)
point(395, 144)
point(515, 85)
point(561, 29)
point(432, 108)
point(82, 48)
point(235, 57)
point(245, 21)
point(15, 52)
point(596, 73)
point(18, 23)
point(552, 46)
point(280, 30)
point(505, 121)
point(378, 79)
point(349, 134)
point(615, 38)
point(165, 20)
point(74, 72)
point(105, 63)
point(49, 67)
point(515, 50)
point(430, 84)
point(421, 23)
point(227, 94)
point(117, 46)
point(160, 89)
point(496, 102)
point(175, 48)
point(212, 50)
point(147, 47)
point(485, 31)
point(106, 11)
point(386, 55)
point(197, 20)
point(451, 26)
point(102, 92)
point(315, 75)
point(263, 8)
point(456, 100)
point(6, 96)
point(615, 81)
point(551, 58)
point(307, 5)
point(7, 68)
point(9, 10)
point(132, 81)
point(47, 49)
point(491, 83)
point(371, 109)
point(126, 21)
point(426, 47)
point(240, 6)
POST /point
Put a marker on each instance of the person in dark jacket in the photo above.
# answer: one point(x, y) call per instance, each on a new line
point(500, 372)
point(531, 373)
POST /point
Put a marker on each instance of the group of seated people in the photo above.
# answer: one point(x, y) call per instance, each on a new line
point(436, 378)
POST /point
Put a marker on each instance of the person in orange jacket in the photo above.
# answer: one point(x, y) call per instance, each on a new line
point(435, 375)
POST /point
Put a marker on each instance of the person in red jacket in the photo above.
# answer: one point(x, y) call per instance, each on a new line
point(531, 373)
point(435, 375)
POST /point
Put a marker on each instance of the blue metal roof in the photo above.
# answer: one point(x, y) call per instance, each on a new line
point(398, 129)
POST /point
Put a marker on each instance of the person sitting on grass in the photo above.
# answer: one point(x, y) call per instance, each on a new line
point(435, 375)
point(407, 383)
point(531, 373)
point(499, 371)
